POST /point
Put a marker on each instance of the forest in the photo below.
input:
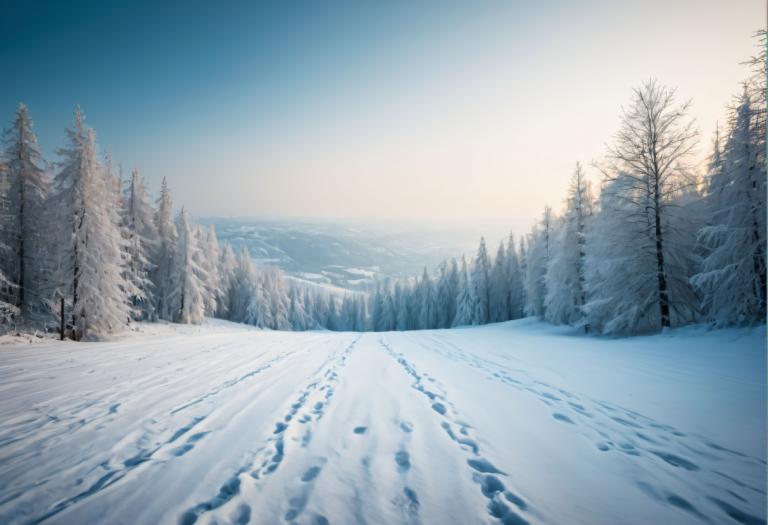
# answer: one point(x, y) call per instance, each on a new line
point(659, 242)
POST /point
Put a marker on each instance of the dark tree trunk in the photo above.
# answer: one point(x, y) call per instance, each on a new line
point(61, 321)
point(20, 296)
point(661, 270)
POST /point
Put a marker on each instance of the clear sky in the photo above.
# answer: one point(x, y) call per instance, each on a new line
point(364, 109)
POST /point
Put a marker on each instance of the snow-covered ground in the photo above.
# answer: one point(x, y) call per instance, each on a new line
point(512, 423)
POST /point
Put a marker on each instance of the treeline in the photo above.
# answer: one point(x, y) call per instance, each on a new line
point(660, 246)
point(85, 252)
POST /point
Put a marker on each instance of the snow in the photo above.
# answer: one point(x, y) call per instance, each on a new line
point(511, 423)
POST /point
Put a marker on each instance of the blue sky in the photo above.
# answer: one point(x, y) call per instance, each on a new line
point(370, 109)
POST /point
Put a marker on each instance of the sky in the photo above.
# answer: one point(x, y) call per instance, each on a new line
point(369, 109)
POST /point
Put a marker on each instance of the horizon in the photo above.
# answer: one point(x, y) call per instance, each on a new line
point(329, 116)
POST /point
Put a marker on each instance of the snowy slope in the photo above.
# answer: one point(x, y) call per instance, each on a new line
point(513, 423)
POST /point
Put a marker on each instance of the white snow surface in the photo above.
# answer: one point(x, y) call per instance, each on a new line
point(512, 423)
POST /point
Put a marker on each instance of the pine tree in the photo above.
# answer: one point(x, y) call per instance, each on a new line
point(427, 317)
point(227, 269)
point(211, 262)
point(732, 279)
point(481, 285)
point(23, 227)
point(566, 292)
point(447, 290)
point(515, 281)
point(499, 284)
point(188, 277)
point(401, 304)
point(163, 257)
point(536, 263)
point(90, 272)
point(140, 234)
point(465, 302)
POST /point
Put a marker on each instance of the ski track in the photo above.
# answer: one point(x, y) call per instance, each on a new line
point(176, 403)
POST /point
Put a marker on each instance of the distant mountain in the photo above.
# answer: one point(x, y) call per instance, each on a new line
point(351, 255)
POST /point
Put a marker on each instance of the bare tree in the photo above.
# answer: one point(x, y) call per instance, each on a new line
point(650, 150)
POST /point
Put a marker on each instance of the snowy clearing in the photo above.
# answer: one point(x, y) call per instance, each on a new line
point(512, 423)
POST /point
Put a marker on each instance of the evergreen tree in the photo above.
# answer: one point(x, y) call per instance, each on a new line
point(140, 234)
point(163, 257)
point(90, 271)
point(465, 302)
point(23, 228)
point(732, 279)
point(499, 284)
point(187, 293)
point(515, 281)
point(536, 263)
point(481, 285)
point(566, 293)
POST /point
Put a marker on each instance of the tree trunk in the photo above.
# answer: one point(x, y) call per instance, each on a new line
point(662, 274)
point(20, 296)
point(61, 322)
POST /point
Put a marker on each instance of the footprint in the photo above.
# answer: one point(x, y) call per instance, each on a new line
point(310, 474)
point(243, 515)
point(406, 427)
point(562, 417)
point(403, 460)
point(360, 430)
point(183, 449)
point(484, 466)
point(439, 408)
point(491, 486)
point(412, 499)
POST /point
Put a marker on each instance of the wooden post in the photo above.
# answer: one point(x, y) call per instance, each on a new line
point(61, 326)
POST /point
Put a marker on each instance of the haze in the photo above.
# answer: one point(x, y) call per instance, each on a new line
point(365, 110)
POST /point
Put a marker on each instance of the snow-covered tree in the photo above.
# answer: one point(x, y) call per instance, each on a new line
point(565, 290)
point(163, 256)
point(465, 301)
point(481, 286)
point(650, 154)
point(400, 300)
point(447, 291)
point(297, 316)
point(516, 299)
point(188, 276)
point(210, 261)
point(227, 269)
point(427, 311)
point(90, 269)
point(25, 254)
point(536, 263)
point(140, 233)
point(732, 279)
point(499, 287)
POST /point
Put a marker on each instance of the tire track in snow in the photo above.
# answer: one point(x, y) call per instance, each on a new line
point(266, 459)
point(500, 500)
point(631, 434)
